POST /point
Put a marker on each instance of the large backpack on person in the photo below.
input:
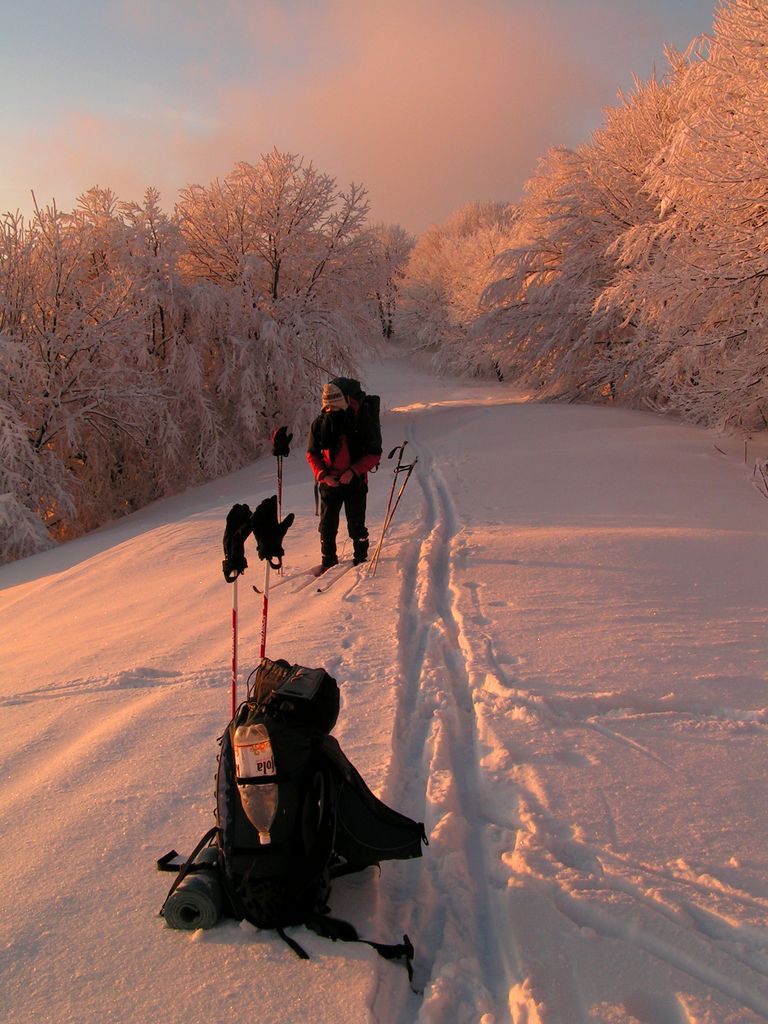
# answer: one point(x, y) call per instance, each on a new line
point(321, 820)
point(369, 411)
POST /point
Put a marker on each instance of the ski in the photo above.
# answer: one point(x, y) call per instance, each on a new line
point(301, 576)
point(331, 576)
point(303, 579)
point(281, 581)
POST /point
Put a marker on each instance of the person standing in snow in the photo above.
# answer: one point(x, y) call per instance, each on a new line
point(342, 450)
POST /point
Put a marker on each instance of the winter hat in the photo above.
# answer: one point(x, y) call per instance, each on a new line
point(333, 396)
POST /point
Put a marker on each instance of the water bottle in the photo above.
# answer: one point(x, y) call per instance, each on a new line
point(254, 760)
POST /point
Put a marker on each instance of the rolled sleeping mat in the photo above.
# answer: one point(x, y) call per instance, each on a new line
point(198, 900)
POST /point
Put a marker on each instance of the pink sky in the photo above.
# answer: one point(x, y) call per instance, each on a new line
point(429, 103)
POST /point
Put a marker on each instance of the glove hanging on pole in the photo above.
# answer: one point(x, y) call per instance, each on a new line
point(236, 533)
point(281, 442)
point(281, 446)
point(269, 532)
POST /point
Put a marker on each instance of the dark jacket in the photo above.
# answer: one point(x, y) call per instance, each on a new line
point(341, 441)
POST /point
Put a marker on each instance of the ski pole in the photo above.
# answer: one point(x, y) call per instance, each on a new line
point(279, 503)
point(407, 470)
point(392, 508)
point(264, 611)
point(279, 487)
point(399, 449)
point(234, 647)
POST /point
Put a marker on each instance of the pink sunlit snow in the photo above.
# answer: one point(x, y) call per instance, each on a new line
point(559, 666)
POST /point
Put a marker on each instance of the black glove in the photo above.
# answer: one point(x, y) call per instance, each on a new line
point(268, 532)
point(235, 535)
point(281, 441)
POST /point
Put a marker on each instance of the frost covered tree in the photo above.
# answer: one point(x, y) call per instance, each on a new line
point(695, 281)
point(96, 368)
point(551, 330)
point(171, 341)
point(280, 220)
point(293, 242)
point(639, 270)
point(291, 259)
point(81, 384)
point(389, 247)
point(48, 367)
point(442, 284)
point(143, 352)
point(634, 267)
point(30, 481)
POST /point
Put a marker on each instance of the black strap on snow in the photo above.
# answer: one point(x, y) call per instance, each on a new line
point(399, 951)
point(163, 864)
point(337, 930)
point(300, 952)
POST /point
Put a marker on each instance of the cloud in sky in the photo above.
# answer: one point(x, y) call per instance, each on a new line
point(429, 103)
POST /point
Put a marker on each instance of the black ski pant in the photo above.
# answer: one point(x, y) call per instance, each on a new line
point(352, 497)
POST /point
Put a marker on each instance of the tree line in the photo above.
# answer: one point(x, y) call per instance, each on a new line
point(634, 268)
point(142, 352)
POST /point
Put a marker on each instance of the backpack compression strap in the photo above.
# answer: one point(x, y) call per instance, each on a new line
point(163, 864)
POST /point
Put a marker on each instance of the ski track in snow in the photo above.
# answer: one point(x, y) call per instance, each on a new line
point(737, 966)
point(473, 926)
point(574, 869)
point(460, 956)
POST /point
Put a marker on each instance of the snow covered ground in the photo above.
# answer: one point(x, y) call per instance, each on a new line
point(560, 667)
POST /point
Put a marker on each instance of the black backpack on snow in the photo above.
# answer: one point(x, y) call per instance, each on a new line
point(327, 823)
